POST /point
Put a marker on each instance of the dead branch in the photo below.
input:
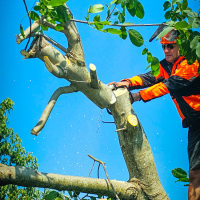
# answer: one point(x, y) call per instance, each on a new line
point(62, 90)
point(103, 164)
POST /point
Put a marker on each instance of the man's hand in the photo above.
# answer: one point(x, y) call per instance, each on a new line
point(120, 84)
point(135, 97)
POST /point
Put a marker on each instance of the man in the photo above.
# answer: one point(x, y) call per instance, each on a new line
point(182, 81)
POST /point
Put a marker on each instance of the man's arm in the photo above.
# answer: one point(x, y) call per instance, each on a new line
point(140, 81)
point(182, 77)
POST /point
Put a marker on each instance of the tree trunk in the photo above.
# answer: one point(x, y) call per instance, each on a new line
point(133, 141)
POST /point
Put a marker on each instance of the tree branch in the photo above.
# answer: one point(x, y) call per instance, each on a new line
point(62, 90)
point(103, 164)
point(28, 177)
point(135, 147)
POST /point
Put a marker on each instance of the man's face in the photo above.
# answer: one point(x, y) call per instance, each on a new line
point(171, 54)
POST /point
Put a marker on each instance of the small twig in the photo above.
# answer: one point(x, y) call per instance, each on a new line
point(103, 164)
point(120, 25)
point(84, 196)
point(120, 129)
point(76, 194)
point(96, 159)
point(111, 13)
point(98, 170)
point(91, 169)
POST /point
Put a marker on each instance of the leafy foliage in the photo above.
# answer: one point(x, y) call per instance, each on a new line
point(12, 153)
point(54, 12)
point(181, 175)
point(178, 14)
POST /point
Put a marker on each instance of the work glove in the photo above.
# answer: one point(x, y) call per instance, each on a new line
point(119, 84)
point(135, 97)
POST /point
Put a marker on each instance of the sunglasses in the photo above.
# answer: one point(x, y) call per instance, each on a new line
point(169, 46)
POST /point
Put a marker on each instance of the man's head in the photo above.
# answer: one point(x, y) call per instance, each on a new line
point(170, 47)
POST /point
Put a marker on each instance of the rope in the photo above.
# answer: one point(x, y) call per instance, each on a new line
point(30, 24)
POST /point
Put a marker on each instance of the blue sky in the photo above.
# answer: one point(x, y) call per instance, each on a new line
point(75, 126)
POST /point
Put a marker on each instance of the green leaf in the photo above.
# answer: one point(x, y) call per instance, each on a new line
point(130, 5)
point(149, 57)
point(179, 173)
point(70, 194)
point(113, 31)
point(175, 1)
point(59, 27)
point(182, 25)
point(105, 22)
point(195, 24)
point(128, 23)
point(50, 7)
point(184, 4)
point(155, 67)
point(98, 26)
point(116, 13)
point(166, 5)
point(58, 198)
point(123, 35)
point(97, 18)
point(33, 15)
point(170, 23)
point(37, 8)
point(55, 3)
point(198, 50)
point(132, 11)
point(165, 31)
point(194, 42)
point(139, 10)
point(145, 50)
point(44, 28)
point(113, 2)
point(121, 18)
point(168, 14)
point(51, 195)
point(135, 38)
point(22, 31)
point(96, 8)
point(182, 180)
point(190, 20)
point(62, 13)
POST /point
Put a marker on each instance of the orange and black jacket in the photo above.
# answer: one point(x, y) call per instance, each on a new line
point(181, 80)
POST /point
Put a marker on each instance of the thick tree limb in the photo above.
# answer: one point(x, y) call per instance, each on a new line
point(27, 177)
point(135, 148)
point(49, 107)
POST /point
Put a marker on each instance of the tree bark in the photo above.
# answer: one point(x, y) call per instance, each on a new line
point(27, 177)
point(134, 144)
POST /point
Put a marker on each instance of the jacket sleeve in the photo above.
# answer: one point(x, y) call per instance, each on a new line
point(182, 76)
point(144, 80)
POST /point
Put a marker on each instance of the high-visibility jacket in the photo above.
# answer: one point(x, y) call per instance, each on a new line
point(181, 80)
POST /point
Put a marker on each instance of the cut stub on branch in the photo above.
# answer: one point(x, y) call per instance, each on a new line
point(132, 121)
point(93, 75)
